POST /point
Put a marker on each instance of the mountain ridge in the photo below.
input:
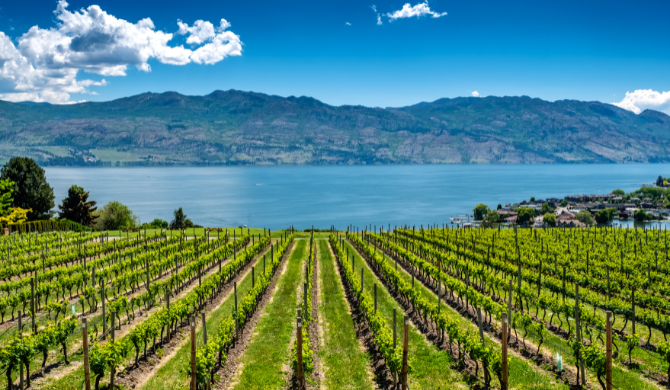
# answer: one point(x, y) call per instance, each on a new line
point(238, 127)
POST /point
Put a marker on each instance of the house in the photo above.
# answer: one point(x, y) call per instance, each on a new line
point(646, 200)
point(571, 223)
point(634, 200)
point(647, 205)
point(539, 222)
point(618, 199)
point(565, 216)
point(660, 205)
point(511, 219)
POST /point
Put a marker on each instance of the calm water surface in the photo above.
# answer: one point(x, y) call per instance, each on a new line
point(276, 197)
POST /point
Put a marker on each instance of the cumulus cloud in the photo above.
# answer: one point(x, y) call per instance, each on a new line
point(45, 63)
point(475, 94)
point(417, 11)
point(348, 24)
point(642, 99)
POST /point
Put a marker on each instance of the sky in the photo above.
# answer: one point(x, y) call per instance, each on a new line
point(373, 53)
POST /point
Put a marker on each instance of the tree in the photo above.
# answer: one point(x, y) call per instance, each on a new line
point(480, 211)
point(525, 214)
point(179, 221)
point(155, 224)
point(31, 190)
point(6, 189)
point(545, 208)
point(606, 215)
point(641, 215)
point(77, 208)
point(564, 203)
point(550, 219)
point(490, 219)
point(659, 181)
point(116, 216)
point(532, 199)
point(618, 192)
point(585, 217)
point(499, 206)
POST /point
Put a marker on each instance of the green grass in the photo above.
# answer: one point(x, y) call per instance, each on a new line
point(521, 374)
point(431, 366)
point(345, 365)
point(172, 375)
point(268, 351)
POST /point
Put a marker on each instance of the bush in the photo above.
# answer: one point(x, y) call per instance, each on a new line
point(116, 216)
point(155, 224)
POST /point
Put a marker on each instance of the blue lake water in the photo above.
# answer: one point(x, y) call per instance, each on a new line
point(276, 197)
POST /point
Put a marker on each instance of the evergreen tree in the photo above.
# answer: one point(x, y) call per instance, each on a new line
point(31, 190)
point(77, 208)
point(179, 221)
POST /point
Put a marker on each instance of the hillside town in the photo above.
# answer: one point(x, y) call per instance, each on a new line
point(650, 203)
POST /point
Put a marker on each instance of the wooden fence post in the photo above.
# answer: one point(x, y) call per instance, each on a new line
point(193, 345)
point(405, 341)
point(87, 369)
point(375, 294)
point(20, 364)
point(167, 298)
point(503, 340)
point(104, 317)
point(301, 375)
point(608, 351)
point(112, 369)
point(394, 328)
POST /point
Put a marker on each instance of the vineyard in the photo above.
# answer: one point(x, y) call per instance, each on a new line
point(418, 307)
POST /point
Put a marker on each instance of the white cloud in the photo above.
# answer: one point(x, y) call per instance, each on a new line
point(475, 94)
point(642, 99)
point(348, 24)
point(379, 17)
point(45, 63)
point(409, 11)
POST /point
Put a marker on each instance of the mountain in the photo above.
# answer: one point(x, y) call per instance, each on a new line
point(235, 127)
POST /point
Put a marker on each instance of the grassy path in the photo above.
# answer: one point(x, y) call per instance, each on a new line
point(345, 364)
point(430, 366)
point(265, 362)
point(171, 374)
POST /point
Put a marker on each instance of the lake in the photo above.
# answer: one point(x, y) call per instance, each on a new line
point(279, 196)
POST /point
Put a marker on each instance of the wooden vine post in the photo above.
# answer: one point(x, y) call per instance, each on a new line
point(193, 370)
point(405, 341)
point(504, 384)
point(301, 374)
point(87, 368)
point(608, 352)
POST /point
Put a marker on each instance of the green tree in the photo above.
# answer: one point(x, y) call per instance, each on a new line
point(641, 215)
point(31, 190)
point(180, 220)
point(532, 199)
point(499, 206)
point(116, 216)
point(155, 224)
point(659, 181)
point(545, 208)
point(6, 189)
point(550, 219)
point(585, 217)
point(525, 214)
point(490, 219)
point(76, 207)
point(606, 215)
point(618, 192)
point(480, 211)
point(564, 203)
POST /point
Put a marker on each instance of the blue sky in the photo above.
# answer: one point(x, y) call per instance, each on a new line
point(336, 51)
